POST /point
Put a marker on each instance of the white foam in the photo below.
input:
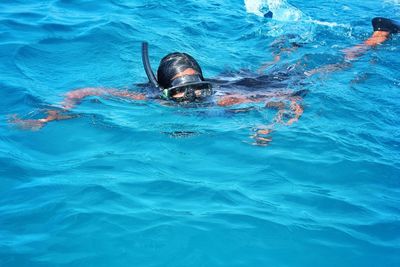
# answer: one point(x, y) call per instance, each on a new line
point(395, 2)
point(254, 7)
point(328, 24)
point(282, 10)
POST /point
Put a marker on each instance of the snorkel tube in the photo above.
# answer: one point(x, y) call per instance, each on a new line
point(147, 67)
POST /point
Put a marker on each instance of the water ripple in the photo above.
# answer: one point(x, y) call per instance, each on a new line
point(138, 183)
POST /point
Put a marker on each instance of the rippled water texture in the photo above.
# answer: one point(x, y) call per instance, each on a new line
point(140, 184)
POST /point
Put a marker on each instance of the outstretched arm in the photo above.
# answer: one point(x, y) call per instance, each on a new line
point(74, 97)
point(36, 124)
point(71, 99)
point(237, 99)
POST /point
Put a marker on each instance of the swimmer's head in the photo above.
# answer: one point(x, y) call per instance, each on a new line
point(181, 78)
point(173, 65)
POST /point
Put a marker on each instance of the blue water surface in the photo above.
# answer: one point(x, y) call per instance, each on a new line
point(120, 185)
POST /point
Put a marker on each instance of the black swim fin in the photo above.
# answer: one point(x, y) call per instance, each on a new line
point(387, 25)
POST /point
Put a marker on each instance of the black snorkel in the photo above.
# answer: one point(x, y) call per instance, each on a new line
point(147, 67)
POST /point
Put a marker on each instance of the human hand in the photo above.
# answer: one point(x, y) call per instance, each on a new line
point(29, 124)
point(36, 124)
point(261, 137)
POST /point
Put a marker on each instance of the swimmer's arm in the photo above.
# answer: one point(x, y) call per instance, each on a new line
point(36, 124)
point(291, 113)
point(71, 99)
point(296, 109)
point(76, 96)
point(236, 99)
point(262, 135)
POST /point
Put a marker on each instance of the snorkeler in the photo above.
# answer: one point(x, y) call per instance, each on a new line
point(180, 80)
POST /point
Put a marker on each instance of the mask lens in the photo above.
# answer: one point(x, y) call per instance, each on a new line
point(190, 92)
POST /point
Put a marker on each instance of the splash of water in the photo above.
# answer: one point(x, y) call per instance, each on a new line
point(282, 10)
point(254, 7)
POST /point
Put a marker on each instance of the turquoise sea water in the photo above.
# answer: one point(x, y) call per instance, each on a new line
point(116, 187)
